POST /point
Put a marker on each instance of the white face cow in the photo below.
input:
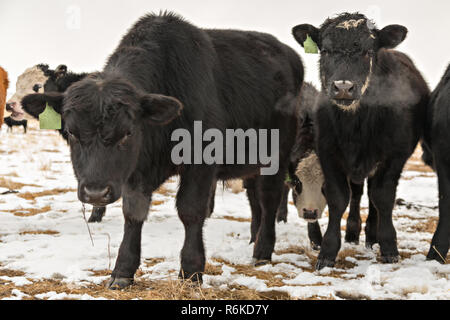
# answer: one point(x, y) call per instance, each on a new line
point(31, 81)
point(309, 199)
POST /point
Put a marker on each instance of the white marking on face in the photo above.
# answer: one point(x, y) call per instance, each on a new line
point(355, 105)
point(309, 172)
point(350, 24)
point(25, 83)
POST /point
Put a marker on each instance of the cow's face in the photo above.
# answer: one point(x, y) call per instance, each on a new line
point(348, 51)
point(104, 120)
point(307, 189)
point(51, 85)
point(32, 80)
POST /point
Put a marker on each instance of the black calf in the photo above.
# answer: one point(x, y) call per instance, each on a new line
point(164, 75)
point(368, 129)
point(10, 122)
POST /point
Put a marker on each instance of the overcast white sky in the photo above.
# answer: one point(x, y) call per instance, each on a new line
point(82, 33)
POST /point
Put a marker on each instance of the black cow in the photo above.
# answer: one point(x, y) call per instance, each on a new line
point(10, 122)
point(436, 154)
point(369, 119)
point(120, 123)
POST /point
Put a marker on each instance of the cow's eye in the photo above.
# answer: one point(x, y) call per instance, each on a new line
point(324, 52)
point(124, 140)
point(36, 87)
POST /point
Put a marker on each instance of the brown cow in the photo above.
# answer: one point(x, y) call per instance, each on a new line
point(4, 83)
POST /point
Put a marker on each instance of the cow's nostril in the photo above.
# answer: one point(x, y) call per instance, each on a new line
point(310, 214)
point(343, 90)
point(96, 194)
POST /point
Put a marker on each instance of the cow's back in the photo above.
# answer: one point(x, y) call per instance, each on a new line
point(255, 71)
point(406, 91)
point(226, 78)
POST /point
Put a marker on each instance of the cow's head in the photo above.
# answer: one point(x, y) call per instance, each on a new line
point(307, 188)
point(348, 54)
point(52, 83)
point(105, 118)
point(32, 80)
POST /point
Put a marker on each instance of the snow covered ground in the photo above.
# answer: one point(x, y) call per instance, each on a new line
point(46, 251)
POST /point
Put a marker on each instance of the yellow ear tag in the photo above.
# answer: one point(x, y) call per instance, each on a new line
point(310, 46)
point(50, 119)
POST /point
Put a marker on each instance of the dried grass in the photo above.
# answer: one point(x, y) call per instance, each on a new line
point(12, 185)
point(143, 289)
point(235, 219)
point(45, 193)
point(162, 190)
point(37, 232)
point(21, 212)
point(157, 202)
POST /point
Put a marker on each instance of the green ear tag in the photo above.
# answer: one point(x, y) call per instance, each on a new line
point(50, 119)
point(288, 178)
point(310, 46)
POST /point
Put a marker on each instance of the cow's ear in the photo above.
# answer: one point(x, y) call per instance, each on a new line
point(302, 31)
point(60, 71)
point(392, 35)
point(34, 104)
point(159, 109)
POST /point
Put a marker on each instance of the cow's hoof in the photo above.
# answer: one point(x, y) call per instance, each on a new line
point(315, 246)
point(260, 262)
point(119, 283)
point(370, 244)
point(352, 239)
point(390, 259)
point(324, 263)
point(436, 256)
point(195, 277)
point(95, 218)
point(282, 216)
point(282, 219)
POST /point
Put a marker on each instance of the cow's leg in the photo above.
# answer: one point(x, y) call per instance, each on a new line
point(282, 211)
point(354, 219)
point(212, 200)
point(382, 193)
point(250, 186)
point(270, 190)
point(337, 193)
point(315, 235)
point(441, 239)
point(193, 204)
point(25, 124)
point(135, 211)
point(371, 228)
point(97, 214)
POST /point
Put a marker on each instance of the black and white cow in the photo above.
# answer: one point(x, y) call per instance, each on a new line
point(306, 177)
point(369, 119)
point(164, 75)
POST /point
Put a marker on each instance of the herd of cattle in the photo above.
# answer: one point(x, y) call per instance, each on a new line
point(372, 110)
